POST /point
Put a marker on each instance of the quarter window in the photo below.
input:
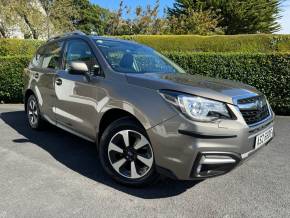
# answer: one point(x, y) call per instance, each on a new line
point(36, 61)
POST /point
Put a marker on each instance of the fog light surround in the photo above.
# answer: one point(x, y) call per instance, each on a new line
point(211, 164)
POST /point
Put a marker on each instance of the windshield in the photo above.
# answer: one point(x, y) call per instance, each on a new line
point(127, 57)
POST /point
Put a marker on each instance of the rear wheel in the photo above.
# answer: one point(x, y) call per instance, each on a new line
point(126, 153)
point(33, 113)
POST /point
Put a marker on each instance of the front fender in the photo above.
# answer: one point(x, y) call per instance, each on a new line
point(149, 110)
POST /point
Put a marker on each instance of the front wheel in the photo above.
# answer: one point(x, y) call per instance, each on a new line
point(126, 153)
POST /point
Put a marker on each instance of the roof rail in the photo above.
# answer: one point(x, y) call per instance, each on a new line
point(77, 32)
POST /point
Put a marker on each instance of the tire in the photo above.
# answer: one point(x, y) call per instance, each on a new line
point(33, 114)
point(129, 162)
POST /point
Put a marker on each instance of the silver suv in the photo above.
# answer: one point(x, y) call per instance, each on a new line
point(144, 113)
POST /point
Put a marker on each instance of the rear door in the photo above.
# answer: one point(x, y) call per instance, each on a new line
point(76, 94)
point(44, 67)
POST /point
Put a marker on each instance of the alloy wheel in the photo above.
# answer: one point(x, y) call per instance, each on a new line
point(33, 112)
point(130, 154)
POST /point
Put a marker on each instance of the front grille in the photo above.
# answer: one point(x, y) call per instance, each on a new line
point(254, 109)
point(255, 116)
point(249, 100)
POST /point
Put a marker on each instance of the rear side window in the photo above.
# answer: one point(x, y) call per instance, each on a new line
point(50, 55)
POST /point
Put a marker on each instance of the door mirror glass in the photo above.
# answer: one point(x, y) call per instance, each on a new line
point(96, 70)
point(78, 67)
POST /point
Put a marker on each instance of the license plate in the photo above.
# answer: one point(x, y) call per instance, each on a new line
point(264, 137)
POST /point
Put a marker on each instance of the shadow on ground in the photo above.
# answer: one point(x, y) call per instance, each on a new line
point(81, 156)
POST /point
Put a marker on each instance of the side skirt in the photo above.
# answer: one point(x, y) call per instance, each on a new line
point(68, 129)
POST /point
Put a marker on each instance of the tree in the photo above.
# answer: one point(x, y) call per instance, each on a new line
point(145, 21)
point(28, 12)
point(180, 7)
point(21, 14)
point(258, 16)
point(116, 23)
point(5, 22)
point(247, 16)
point(36, 18)
point(59, 15)
point(92, 18)
point(195, 22)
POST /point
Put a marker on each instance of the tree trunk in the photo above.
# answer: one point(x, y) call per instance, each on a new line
point(32, 29)
point(2, 31)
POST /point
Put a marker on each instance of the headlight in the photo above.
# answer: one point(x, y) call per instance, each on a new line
point(197, 108)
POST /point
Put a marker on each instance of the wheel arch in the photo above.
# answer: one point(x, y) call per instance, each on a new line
point(113, 114)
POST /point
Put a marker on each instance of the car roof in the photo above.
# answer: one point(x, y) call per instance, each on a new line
point(83, 35)
point(95, 37)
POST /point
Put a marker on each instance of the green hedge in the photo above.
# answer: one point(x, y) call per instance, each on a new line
point(262, 43)
point(11, 80)
point(15, 47)
point(270, 73)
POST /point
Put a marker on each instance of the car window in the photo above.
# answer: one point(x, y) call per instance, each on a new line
point(37, 60)
point(50, 55)
point(133, 58)
point(79, 50)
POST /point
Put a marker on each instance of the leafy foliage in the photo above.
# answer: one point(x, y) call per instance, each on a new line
point(91, 18)
point(5, 19)
point(11, 80)
point(24, 14)
point(270, 73)
point(15, 47)
point(36, 18)
point(39, 19)
point(192, 43)
point(238, 17)
point(236, 43)
point(195, 22)
point(145, 21)
point(58, 15)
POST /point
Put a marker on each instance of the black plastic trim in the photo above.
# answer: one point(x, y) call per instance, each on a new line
point(233, 155)
point(166, 172)
point(201, 136)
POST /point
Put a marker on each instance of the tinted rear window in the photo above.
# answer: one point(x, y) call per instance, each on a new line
point(48, 56)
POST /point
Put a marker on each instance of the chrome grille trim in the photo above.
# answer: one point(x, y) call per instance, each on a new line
point(254, 108)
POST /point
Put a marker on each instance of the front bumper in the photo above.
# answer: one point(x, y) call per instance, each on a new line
point(180, 145)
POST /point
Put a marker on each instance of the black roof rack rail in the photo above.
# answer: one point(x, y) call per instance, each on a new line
point(77, 32)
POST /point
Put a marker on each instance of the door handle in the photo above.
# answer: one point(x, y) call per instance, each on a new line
point(36, 75)
point(58, 82)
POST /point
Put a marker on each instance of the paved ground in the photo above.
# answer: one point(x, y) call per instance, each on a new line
point(55, 174)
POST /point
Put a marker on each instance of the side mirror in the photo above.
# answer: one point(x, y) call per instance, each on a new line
point(78, 67)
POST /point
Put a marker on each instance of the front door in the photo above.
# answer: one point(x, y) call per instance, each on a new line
point(76, 95)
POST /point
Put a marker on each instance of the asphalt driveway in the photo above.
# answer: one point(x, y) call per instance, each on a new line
point(55, 174)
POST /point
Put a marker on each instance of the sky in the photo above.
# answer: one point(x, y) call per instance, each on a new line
point(114, 4)
point(285, 20)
